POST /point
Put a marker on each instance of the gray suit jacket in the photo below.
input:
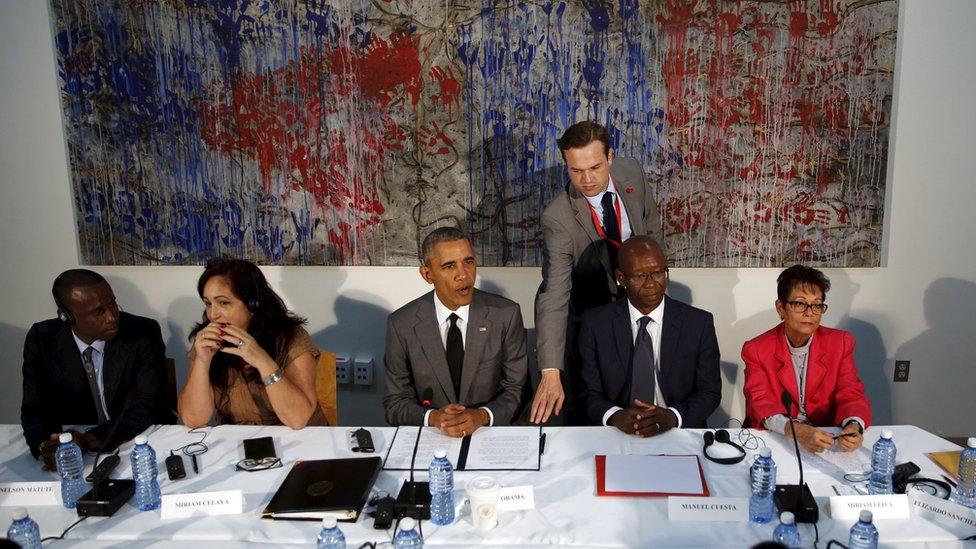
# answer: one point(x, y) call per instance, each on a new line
point(493, 373)
point(576, 273)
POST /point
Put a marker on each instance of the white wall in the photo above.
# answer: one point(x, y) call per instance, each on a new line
point(919, 306)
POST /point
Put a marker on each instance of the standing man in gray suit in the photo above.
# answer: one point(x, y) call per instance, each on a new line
point(606, 202)
point(455, 357)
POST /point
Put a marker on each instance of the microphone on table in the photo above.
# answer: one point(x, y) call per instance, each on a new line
point(102, 468)
point(797, 498)
point(107, 494)
point(414, 498)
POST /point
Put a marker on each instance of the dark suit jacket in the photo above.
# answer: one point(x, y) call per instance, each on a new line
point(576, 270)
point(689, 365)
point(493, 373)
point(833, 389)
point(56, 391)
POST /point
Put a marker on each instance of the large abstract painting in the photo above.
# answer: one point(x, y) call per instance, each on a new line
point(340, 132)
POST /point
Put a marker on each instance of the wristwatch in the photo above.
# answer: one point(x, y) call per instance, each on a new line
point(273, 377)
point(860, 428)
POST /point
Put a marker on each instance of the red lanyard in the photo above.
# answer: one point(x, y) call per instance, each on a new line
point(599, 223)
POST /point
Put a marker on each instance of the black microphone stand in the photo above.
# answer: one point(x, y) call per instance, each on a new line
point(796, 498)
point(414, 498)
point(102, 469)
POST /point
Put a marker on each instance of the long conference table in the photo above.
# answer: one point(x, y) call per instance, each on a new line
point(567, 511)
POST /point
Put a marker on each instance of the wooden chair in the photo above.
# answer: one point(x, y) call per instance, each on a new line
point(325, 386)
point(171, 390)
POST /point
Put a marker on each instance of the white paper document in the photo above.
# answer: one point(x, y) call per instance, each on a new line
point(488, 449)
point(856, 462)
point(401, 450)
point(504, 448)
point(653, 474)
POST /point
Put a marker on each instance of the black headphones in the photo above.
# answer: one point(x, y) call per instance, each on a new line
point(253, 304)
point(721, 436)
point(252, 301)
point(63, 313)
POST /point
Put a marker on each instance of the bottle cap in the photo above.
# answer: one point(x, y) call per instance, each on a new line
point(786, 517)
point(329, 522)
point(64, 438)
point(766, 452)
point(971, 442)
point(440, 453)
point(19, 514)
point(886, 434)
point(141, 439)
point(866, 516)
point(407, 523)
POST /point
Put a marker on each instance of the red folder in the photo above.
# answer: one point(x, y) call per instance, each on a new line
point(601, 474)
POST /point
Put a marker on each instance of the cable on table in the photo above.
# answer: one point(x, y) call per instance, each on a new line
point(73, 524)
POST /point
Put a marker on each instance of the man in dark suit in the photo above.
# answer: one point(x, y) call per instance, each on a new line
point(649, 363)
point(455, 357)
point(606, 202)
point(93, 365)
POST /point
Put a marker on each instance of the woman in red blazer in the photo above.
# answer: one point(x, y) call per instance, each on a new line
point(800, 353)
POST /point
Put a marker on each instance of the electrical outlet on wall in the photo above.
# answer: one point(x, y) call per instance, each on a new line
point(901, 369)
point(363, 370)
point(343, 369)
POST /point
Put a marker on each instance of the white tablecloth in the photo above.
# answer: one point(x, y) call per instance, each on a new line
point(567, 509)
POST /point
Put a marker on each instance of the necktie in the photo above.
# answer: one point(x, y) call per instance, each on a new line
point(455, 353)
point(610, 227)
point(643, 366)
point(93, 383)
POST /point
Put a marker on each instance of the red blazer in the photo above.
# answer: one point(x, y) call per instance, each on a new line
point(834, 390)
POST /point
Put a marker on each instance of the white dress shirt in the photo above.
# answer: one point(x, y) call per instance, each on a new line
point(443, 315)
point(654, 330)
point(597, 204)
point(98, 358)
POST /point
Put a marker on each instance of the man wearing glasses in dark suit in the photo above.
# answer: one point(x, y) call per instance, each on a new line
point(649, 363)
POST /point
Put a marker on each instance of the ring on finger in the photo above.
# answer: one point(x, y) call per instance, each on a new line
point(241, 344)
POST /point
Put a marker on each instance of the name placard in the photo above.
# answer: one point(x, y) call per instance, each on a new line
point(959, 520)
point(887, 506)
point(516, 498)
point(25, 494)
point(228, 502)
point(708, 509)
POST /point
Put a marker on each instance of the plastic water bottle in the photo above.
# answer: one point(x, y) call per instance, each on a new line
point(786, 533)
point(441, 477)
point(144, 472)
point(882, 465)
point(407, 537)
point(71, 469)
point(965, 490)
point(331, 536)
point(864, 535)
point(763, 473)
point(24, 531)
